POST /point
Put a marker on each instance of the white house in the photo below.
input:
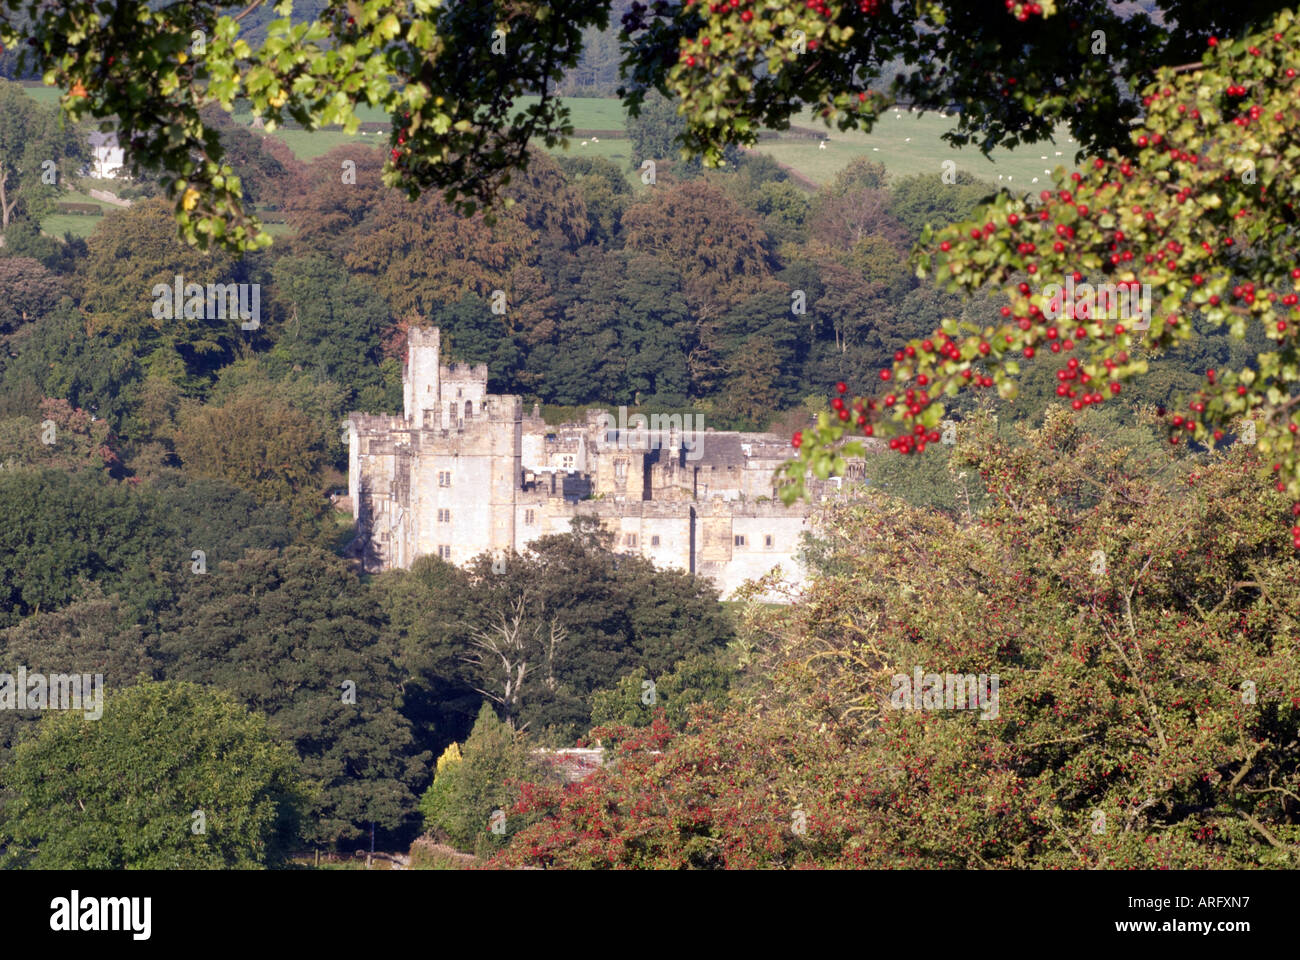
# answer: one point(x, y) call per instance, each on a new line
point(107, 158)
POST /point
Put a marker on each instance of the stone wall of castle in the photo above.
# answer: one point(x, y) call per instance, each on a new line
point(464, 471)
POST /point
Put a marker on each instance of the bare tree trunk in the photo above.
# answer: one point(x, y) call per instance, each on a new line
point(6, 207)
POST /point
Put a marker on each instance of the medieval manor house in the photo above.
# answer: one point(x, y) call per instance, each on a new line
point(463, 471)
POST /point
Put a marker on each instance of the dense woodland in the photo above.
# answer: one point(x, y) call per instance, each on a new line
point(740, 294)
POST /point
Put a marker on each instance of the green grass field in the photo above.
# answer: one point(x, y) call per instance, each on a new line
point(905, 143)
point(908, 143)
point(589, 113)
point(78, 196)
point(43, 94)
point(56, 225)
point(307, 145)
point(81, 225)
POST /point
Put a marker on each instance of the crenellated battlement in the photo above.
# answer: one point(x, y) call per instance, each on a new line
point(469, 373)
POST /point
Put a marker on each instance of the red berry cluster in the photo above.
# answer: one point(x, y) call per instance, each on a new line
point(1023, 11)
point(401, 149)
point(869, 7)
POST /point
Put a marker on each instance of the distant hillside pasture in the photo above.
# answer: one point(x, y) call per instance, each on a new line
point(308, 145)
point(906, 143)
point(40, 92)
point(588, 113)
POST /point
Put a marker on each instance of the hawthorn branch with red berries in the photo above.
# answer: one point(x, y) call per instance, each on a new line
point(1219, 246)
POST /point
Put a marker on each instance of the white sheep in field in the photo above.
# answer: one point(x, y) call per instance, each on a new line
point(822, 145)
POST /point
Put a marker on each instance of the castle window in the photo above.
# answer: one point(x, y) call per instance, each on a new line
point(529, 518)
point(767, 541)
point(469, 408)
point(630, 540)
point(620, 469)
point(444, 478)
point(740, 539)
point(444, 516)
point(444, 552)
point(654, 541)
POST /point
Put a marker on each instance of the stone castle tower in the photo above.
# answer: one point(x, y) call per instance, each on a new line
point(441, 478)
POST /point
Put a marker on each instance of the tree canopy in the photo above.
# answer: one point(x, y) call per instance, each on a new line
point(450, 75)
point(172, 776)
